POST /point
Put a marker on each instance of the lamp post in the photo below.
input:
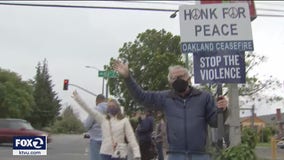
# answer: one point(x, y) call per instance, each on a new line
point(93, 67)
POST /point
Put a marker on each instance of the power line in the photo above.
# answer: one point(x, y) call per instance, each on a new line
point(273, 10)
point(270, 15)
point(87, 7)
point(163, 3)
point(192, 3)
point(120, 8)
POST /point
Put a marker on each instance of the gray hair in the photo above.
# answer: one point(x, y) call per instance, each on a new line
point(171, 68)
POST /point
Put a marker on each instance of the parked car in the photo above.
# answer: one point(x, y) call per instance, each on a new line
point(280, 144)
point(86, 135)
point(18, 127)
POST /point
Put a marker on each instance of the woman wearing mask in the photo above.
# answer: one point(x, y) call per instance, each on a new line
point(116, 129)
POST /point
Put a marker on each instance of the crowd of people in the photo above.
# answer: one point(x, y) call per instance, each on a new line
point(144, 129)
point(177, 130)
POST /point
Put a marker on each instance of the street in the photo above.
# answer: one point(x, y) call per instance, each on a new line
point(264, 153)
point(75, 147)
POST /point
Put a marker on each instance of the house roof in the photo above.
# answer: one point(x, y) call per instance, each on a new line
point(248, 119)
point(269, 119)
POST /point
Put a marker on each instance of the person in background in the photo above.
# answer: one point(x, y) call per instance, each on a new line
point(116, 129)
point(134, 123)
point(134, 119)
point(144, 134)
point(161, 135)
point(188, 111)
point(94, 129)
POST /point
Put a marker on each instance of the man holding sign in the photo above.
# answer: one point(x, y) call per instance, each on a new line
point(188, 111)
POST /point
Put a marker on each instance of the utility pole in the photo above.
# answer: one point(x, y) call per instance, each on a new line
point(252, 116)
point(252, 109)
point(186, 61)
point(234, 115)
point(107, 90)
point(220, 119)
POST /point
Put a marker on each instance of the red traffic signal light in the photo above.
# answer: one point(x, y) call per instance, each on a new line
point(65, 84)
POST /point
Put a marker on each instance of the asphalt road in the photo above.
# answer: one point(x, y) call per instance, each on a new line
point(63, 147)
point(265, 153)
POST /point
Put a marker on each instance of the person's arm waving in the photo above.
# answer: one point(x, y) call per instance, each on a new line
point(95, 114)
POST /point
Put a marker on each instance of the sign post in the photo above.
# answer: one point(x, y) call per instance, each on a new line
point(218, 36)
point(107, 74)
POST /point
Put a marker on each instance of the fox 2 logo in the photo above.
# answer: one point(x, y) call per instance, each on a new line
point(29, 142)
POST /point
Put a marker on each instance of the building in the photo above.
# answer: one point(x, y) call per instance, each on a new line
point(257, 122)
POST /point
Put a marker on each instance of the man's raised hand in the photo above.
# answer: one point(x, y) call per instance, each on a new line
point(121, 68)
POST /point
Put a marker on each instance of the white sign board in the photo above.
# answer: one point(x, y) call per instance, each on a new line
point(215, 27)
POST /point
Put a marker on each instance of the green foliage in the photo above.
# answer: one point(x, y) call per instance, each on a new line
point(47, 104)
point(239, 152)
point(249, 137)
point(68, 123)
point(256, 89)
point(134, 122)
point(16, 96)
point(243, 151)
point(265, 134)
point(149, 57)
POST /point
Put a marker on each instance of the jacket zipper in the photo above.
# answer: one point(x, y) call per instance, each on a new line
point(185, 121)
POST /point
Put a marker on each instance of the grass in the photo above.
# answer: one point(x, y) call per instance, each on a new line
point(263, 144)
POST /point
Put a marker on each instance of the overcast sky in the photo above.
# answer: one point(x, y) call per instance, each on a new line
point(71, 38)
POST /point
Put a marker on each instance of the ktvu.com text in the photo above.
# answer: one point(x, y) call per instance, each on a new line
point(29, 146)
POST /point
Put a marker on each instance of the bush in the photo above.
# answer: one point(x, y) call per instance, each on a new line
point(239, 152)
point(243, 151)
point(265, 134)
point(68, 125)
point(249, 137)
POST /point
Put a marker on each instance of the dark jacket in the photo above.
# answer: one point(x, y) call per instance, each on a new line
point(187, 118)
point(144, 129)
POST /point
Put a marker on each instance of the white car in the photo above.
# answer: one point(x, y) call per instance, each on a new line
point(280, 144)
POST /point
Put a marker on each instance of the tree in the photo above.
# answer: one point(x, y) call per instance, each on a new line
point(47, 103)
point(16, 96)
point(256, 89)
point(68, 123)
point(149, 57)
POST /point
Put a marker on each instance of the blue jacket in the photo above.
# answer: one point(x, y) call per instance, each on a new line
point(94, 128)
point(144, 129)
point(186, 118)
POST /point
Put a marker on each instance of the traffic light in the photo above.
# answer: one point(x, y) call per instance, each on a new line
point(65, 84)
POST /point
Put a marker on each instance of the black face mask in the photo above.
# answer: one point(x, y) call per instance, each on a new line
point(180, 85)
